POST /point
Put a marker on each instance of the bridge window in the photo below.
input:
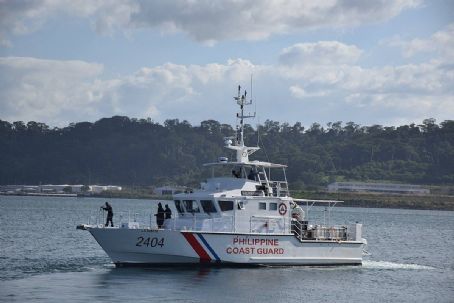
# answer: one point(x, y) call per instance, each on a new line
point(226, 205)
point(273, 206)
point(179, 206)
point(191, 206)
point(262, 205)
point(208, 206)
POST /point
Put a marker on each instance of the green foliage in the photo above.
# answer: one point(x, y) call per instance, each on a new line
point(85, 188)
point(125, 151)
point(68, 189)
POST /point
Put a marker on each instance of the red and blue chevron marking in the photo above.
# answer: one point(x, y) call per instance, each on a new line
point(199, 249)
point(201, 237)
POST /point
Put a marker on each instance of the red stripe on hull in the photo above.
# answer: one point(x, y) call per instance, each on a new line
point(204, 257)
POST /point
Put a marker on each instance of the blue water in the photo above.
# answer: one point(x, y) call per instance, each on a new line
point(43, 258)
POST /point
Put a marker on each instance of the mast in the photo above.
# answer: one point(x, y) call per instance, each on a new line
point(242, 101)
point(242, 151)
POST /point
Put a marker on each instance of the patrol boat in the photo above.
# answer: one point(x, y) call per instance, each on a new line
point(241, 215)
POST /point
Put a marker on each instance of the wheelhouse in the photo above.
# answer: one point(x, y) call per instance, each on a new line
point(267, 179)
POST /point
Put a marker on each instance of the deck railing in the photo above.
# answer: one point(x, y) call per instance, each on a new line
point(99, 217)
point(279, 188)
point(303, 231)
point(257, 224)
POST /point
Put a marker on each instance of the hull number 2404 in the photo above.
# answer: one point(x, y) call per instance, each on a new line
point(150, 242)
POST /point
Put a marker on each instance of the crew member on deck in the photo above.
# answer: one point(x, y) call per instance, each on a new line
point(160, 215)
point(253, 174)
point(236, 174)
point(109, 210)
point(168, 212)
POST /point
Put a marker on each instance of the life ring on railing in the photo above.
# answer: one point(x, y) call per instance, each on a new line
point(282, 209)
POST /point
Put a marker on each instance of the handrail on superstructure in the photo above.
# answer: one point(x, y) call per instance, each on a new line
point(260, 173)
point(318, 201)
point(312, 202)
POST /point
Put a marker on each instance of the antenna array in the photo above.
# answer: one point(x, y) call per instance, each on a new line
point(242, 101)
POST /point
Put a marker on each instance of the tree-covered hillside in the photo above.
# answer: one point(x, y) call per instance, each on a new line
point(125, 151)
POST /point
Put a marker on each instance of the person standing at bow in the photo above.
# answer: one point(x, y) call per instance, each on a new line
point(109, 210)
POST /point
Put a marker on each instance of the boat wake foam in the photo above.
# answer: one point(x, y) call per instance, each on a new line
point(393, 265)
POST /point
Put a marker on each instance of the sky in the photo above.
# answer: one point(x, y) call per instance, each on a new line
point(388, 62)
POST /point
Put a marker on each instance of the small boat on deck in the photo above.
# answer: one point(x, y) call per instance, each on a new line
point(242, 215)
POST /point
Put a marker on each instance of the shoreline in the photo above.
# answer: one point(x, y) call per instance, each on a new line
point(350, 199)
point(39, 195)
point(375, 200)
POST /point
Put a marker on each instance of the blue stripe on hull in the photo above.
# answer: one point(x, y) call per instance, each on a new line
point(202, 238)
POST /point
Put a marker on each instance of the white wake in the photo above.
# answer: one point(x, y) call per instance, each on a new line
point(392, 265)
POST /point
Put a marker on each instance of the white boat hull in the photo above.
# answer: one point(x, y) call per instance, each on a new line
point(165, 247)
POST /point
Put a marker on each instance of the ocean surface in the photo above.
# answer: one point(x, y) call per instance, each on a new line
point(43, 258)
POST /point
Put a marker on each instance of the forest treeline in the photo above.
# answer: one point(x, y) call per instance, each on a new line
point(125, 151)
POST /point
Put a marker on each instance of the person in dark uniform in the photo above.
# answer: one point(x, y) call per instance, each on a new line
point(236, 174)
point(167, 212)
point(253, 174)
point(109, 210)
point(160, 215)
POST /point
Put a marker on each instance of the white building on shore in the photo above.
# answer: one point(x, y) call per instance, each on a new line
point(169, 190)
point(100, 188)
point(378, 187)
point(58, 188)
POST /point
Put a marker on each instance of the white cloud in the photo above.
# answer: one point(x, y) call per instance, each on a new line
point(388, 94)
point(22, 17)
point(301, 93)
point(15, 14)
point(203, 20)
point(441, 43)
point(59, 92)
point(328, 65)
point(399, 108)
point(41, 90)
point(320, 53)
point(209, 21)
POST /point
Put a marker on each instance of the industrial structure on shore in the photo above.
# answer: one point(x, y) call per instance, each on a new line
point(58, 189)
point(378, 187)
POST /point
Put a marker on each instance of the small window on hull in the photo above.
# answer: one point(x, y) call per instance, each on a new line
point(226, 205)
point(273, 206)
point(208, 206)
point(262, 206)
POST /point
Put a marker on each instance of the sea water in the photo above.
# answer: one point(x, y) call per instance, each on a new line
point(43, 258)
